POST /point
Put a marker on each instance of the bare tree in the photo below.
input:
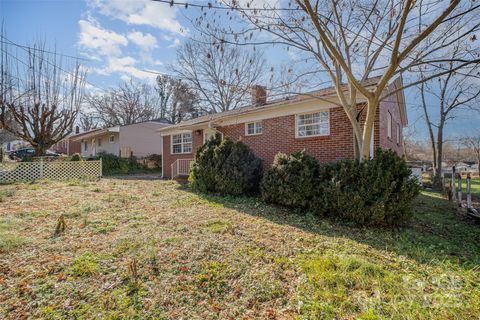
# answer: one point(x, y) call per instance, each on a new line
point(448, 94)
point(348, 42)
point(39, 99)
point(473, 143)
point(177, 100)
point(222, 75)
point(87, 121)
point(129, 103)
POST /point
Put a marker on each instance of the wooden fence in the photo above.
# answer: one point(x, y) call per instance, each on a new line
point(55, 170)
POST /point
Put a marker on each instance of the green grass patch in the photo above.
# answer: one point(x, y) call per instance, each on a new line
point(5, 194)
point(84, 265)
point(219, 226)
point(10, 234)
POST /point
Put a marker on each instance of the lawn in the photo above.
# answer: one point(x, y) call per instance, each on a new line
point(136, 249)
point(476, 187)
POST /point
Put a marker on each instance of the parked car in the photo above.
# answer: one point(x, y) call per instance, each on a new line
point(24, 153)
point(21, 154)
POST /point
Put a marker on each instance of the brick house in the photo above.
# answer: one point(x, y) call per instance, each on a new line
point(304, 122)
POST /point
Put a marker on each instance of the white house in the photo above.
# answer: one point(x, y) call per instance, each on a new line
point(139, 140)
point(100, 141)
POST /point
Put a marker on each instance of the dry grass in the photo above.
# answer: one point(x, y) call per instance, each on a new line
point(154, 250)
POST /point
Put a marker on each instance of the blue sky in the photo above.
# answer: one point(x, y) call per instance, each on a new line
point(122, 39)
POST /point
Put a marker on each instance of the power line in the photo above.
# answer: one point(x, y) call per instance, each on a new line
point(41, 50)
point(47, 61)
point(209, 5)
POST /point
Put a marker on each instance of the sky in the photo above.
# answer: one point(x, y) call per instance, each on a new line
point(118, 39)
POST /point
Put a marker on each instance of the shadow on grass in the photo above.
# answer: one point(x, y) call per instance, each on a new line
point(435, 235)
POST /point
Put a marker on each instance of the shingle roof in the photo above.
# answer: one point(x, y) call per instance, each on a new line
point(274, 103)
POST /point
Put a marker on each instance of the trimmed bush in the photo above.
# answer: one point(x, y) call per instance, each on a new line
point(226, 167)
point(292, 180)
point(376, 192)
point(76, 157)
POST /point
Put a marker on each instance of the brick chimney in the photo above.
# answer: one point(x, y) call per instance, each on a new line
point(259, 95)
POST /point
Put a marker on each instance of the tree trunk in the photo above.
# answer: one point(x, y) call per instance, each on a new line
point(40, 150)
point(372, 107)
point(437, 181)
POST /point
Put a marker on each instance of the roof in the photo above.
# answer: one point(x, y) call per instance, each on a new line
point(95, 133)
point(160, 121)
point(327, 92)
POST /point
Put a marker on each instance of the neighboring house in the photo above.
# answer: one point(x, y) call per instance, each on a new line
point(99, 141)
point(302, 122)
point(14, 145)
point(141, 139)
point(69, 145)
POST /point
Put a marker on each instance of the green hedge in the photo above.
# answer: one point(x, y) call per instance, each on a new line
point(112, 164)
point(376, 192)
point(292, 180)
point(226, 167)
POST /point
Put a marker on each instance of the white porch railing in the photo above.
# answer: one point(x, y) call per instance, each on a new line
point(181, 167)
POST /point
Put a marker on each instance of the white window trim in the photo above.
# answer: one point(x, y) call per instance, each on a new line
point(110, 138)
point(171, 143)
point(316, 135)
point(254, 128)
point(398, 134)
point(389, 125)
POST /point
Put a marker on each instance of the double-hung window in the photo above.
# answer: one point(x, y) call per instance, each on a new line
point(253, 128)
point(182, 143)
point(313, 124)
point(398, 134)
point(389, 125)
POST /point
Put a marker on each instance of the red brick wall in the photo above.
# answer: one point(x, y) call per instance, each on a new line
point(279, 136)
point(390, 104)
point(169, 158)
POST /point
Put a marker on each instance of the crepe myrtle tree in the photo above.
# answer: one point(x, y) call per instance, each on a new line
point(40, 96)
point(349, 42)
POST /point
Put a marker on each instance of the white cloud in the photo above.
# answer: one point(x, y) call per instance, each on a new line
point(140, 12)
point(126, 67)
point(174, 44)
point(100, 41)
point(145, 41)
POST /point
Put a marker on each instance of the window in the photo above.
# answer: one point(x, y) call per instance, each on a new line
point(389, 124)
point(253, 128)
point(313, 124)
point(398, 134)
point(112, 139)
point(85, 146)
point(100, 142)
point(182, 143)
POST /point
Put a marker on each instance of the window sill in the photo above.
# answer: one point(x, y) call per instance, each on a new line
point(314, 136)
point(253, 134)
